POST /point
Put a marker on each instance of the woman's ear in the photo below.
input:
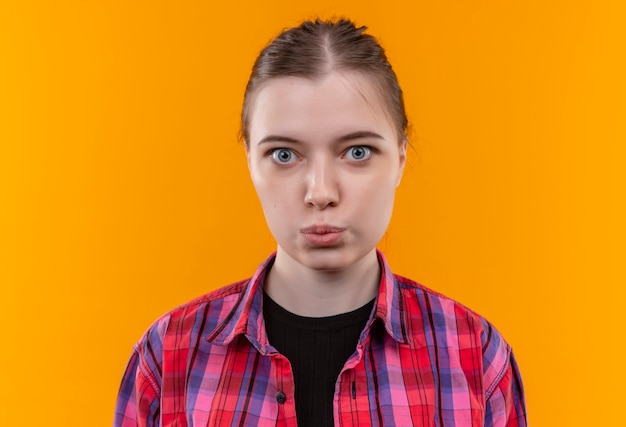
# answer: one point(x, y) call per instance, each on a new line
point(246, 146)
point(402, 158)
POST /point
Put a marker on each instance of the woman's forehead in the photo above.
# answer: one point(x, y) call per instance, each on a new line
point(349, 81)
point(335, 102)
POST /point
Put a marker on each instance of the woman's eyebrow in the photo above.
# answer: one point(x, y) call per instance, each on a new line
point(359, 135)
point(277, 138)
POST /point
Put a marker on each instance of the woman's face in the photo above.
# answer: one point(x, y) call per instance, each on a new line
point(325, 161)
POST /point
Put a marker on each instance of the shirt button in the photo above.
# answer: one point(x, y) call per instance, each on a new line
point(280, 397)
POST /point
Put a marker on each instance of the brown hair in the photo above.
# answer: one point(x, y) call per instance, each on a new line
point(318, 47)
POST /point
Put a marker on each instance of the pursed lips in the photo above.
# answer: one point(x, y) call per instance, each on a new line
point(322, 235)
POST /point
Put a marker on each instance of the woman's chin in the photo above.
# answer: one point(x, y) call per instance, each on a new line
point(328, 259)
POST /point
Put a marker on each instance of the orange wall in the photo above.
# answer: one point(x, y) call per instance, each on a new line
point(124, 192)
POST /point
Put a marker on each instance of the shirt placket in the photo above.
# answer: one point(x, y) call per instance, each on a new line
point(284, 391)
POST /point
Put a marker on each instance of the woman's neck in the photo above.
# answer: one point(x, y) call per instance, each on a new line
point(314, 293)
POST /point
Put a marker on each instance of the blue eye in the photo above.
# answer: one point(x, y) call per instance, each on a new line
point(359, 152)
point(283, 155)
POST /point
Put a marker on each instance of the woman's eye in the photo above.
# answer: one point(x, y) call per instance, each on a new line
point(283, 155)
point(359, 152)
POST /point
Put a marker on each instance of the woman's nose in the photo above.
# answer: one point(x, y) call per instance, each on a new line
point(322, 186)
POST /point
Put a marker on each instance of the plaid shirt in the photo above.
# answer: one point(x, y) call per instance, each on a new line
point(422, 360)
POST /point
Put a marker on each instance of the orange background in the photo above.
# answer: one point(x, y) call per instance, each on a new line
point(124, 191)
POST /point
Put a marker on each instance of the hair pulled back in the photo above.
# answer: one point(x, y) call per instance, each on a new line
point(316, 48)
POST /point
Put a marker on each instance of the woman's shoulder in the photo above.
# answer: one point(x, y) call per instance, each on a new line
point(433, 301)
point(445, 322)
point(196, 314)
point(446, 315)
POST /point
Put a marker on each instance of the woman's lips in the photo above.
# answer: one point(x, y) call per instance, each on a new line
point(322, 235)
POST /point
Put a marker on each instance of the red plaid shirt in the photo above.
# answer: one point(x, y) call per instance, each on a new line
point(422, 360)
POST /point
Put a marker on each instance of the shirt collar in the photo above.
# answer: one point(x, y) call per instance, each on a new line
point(246, 317)
point(390, 306)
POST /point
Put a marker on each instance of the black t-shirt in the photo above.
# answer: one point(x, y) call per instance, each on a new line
point(317, 348)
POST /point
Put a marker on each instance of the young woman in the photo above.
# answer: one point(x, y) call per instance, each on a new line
point(323, 333)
